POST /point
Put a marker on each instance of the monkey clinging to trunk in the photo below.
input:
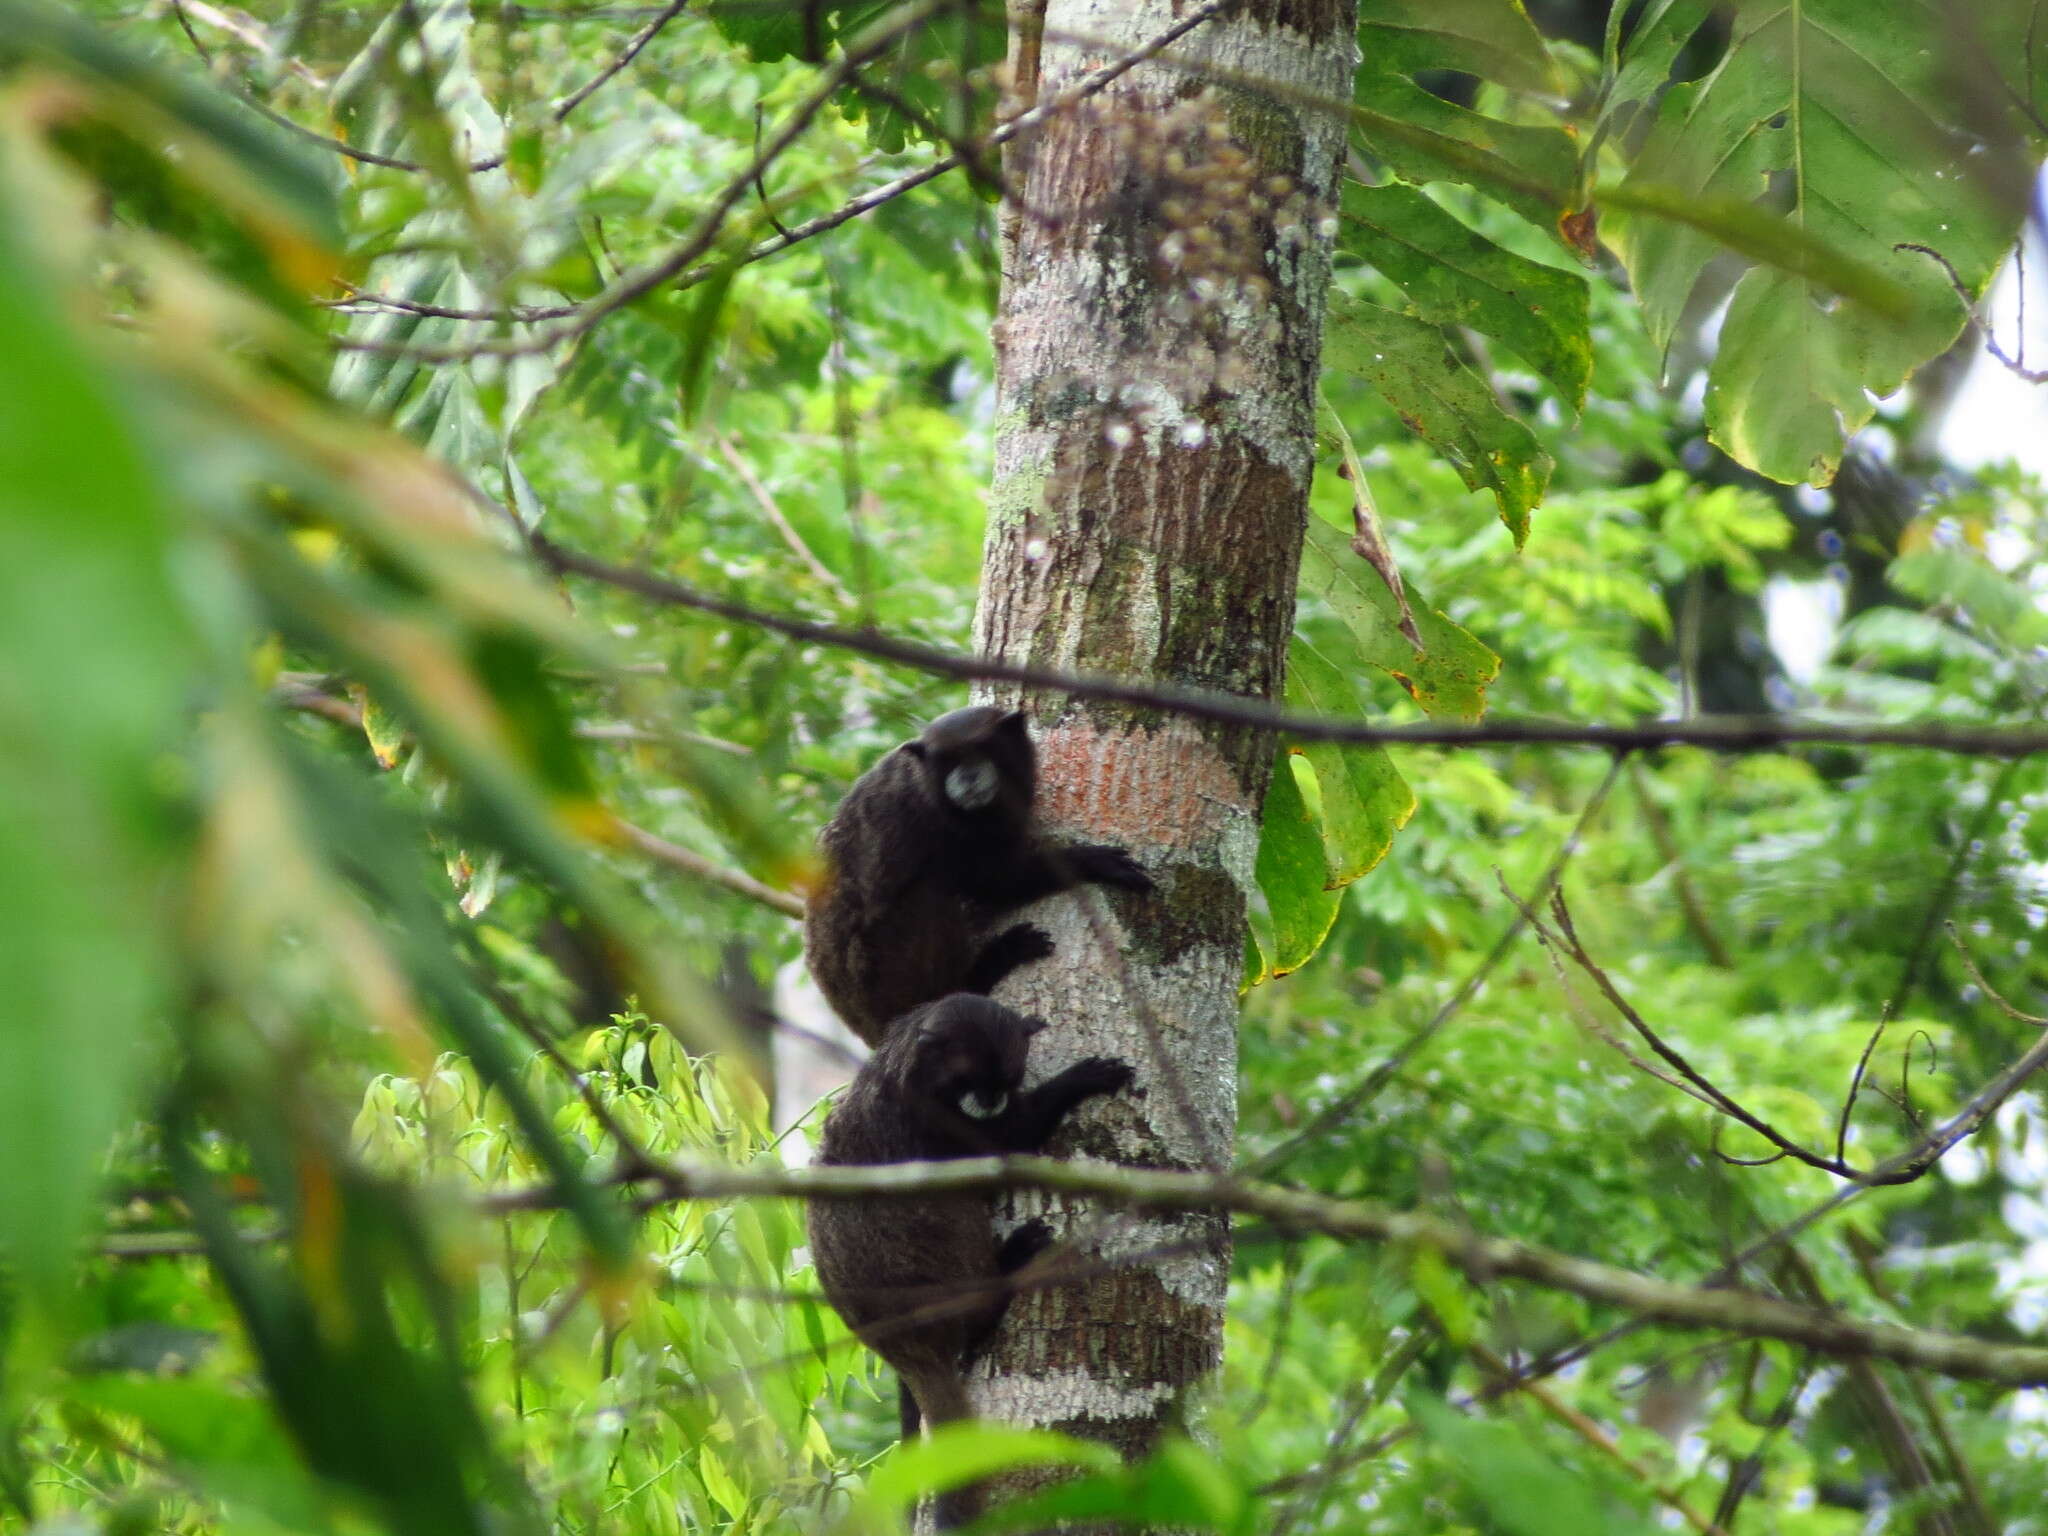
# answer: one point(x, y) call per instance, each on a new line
point(921, 1281)
point(930, 845)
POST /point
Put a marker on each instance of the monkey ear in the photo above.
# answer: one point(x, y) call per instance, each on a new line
point(1032, 1025)
point(915, 749)
point(1013, 721)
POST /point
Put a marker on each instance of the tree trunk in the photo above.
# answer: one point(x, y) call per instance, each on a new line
point(1166, 256)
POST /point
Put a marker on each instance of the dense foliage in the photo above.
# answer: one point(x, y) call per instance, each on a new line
point(371, 893)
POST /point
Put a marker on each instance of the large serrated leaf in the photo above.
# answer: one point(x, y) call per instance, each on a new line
point(1453, 275)
point(1846, 115)
point(1365, 801)
point(1447, 679)
point(1442, 400)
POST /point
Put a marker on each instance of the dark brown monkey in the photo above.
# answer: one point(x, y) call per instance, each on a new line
point(931, 845)
point(920, 1280)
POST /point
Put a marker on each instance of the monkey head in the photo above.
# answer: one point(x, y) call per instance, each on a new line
point(963, 1061)
point(979, 762)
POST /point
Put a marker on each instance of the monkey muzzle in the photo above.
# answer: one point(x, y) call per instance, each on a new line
point(977, 1106)
point(972, 786)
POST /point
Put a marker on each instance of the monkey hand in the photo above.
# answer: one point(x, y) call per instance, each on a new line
point(1098, 1074)
point(1107, 864)
point(1023, 1245)
point(1018, 944)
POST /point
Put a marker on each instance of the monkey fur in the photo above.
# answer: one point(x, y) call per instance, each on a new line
point(931, 845)
point(945, 1082)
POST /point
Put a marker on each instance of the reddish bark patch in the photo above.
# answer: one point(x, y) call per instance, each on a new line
point(1119, 786)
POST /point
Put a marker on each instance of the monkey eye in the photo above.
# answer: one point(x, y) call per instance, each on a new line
point(975, 1105)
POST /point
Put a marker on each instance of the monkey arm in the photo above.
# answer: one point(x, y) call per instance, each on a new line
point(1032, 1117)
point(1017, 945)
point(1029, 873)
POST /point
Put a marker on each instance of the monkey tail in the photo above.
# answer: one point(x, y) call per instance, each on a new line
point(939, 1396)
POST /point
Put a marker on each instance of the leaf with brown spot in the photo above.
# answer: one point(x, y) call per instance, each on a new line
point(1368, 541)
point(1448, 677)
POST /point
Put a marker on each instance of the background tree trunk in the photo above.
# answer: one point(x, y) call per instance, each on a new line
point(1166, 262)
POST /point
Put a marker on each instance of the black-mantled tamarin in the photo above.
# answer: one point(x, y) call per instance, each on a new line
point(928, 848)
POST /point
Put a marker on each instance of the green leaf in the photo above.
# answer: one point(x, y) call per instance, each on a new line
point(364, 836)
point(1440, 399)
point(1365, 801)
point(1421, 137)
point(1181, 1486)
point(274, 164)
point(1846, 116)
point(915, 92)
point(1791, 379)
point(770, 33)
point(1446, 1292)
point(973, 1449)
point(700, 332)
point(1661, 31)
point(1493, 39)
point(1772, 241)
point(227, 1442)
point(92, 701)
point(1522, 1489)
point(1300, 906)
point(1448, 680)
point(333, 1326)
point(1453, 275)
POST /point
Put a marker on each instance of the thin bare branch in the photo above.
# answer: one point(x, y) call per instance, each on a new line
point(625, 730)
point(1970, 965)
point(316, 701)
point(186, 10)
point(2014, 365)
point(1563, 939)
point(776, 520)
point(705, 231)
point(1575, 1421)
point(630, 52)
point(1715, 733)
point(698, 867)
point(1936, 913)
point(1483, 1259)
point(241, 28)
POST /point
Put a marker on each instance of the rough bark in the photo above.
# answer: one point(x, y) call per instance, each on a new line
point(1166, 256)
